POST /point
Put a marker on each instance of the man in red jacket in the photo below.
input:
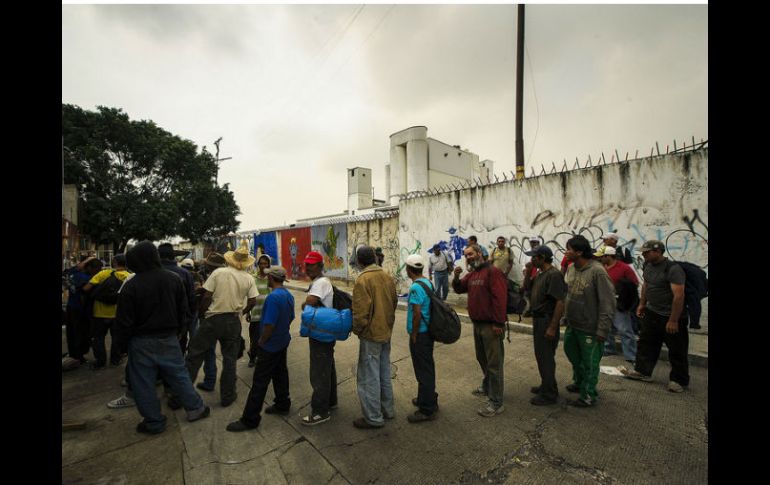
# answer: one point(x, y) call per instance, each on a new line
point(486, 288)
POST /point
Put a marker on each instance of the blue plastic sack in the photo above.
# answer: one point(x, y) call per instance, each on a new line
point(325, 324)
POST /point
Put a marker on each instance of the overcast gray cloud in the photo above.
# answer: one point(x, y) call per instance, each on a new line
point(299, 93)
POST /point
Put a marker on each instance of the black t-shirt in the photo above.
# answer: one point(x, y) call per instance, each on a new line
point(547, 287)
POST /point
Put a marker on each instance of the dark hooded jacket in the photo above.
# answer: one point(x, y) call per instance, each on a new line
point(154, 301)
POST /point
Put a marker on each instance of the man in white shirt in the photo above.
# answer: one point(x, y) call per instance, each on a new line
point(438, 269)
point(323, 373)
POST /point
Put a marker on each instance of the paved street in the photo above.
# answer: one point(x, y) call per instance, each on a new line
point(638, 433)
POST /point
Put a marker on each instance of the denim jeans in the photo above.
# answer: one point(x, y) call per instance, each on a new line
point(148, 357)
point(209, 359)
point(375, 389)
point(323, 376)
point(622, 322)
point(545, 355)
point(270, 366)
point(99, 328)
point(424, 372)
point(226, 328)
point(441, 281)
point(490, 354)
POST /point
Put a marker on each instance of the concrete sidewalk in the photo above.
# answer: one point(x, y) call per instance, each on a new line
point(638, 433)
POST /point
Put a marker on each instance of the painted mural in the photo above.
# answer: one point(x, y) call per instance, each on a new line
point(265, 243)
point(332, 242)
point(382, 233)
point(295, 244)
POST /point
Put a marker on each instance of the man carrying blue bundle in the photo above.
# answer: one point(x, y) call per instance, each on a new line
point(274, 338)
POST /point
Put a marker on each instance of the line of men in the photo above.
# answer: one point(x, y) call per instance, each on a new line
point(154, 308)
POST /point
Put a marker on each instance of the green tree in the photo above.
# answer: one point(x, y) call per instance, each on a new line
point(138, 181)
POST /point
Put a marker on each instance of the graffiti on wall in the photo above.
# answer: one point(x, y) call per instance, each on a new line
point(331, 242)
point(454, 246)
point(295, 244)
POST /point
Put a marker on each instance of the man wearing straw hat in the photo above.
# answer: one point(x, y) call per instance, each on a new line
point(229, 293)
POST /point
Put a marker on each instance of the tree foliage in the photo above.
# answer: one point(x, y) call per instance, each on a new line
point(138, 181)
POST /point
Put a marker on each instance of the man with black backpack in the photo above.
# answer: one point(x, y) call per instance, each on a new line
point(103, 288)
point(421, 342)
point(661, 308)
point(323, 373)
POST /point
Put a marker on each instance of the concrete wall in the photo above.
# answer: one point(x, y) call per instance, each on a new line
point(663, 198)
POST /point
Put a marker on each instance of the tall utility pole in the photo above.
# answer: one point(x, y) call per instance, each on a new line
point(519, 93)
point(217, 159)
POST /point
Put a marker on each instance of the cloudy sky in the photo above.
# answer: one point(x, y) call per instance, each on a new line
point(299, 93)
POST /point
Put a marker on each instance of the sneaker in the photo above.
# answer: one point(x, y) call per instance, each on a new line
point(142, 428)
point(203, 414)
point(313, 419)
point(637, 376)
point(419, 417)
point(121, 402)
point(479, 391)
point(534, 389)
point(238, 426)
point(490, 410)
point(573, 388)
point(542, 401)
point(204, 387)
point(274, 410)
point(582, 403)
point(362, 423)
point(674, 386)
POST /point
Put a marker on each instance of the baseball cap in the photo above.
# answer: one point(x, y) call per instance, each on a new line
point(276, 272)
point(313, 257)
point(541, 250)
point(653, 245)
point(611, 235)
point(606, 251)
point(415, 261)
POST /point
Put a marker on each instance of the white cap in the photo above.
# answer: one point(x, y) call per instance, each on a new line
point(415, 261)
point(611, 235)
point(609, 251)
point(187, 263)
point(534, 239)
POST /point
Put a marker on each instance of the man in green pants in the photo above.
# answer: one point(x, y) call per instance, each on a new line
point(588, 311)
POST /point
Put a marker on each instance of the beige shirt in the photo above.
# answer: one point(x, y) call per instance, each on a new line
point(231, 289)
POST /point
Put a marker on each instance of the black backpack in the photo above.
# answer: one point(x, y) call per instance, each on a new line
point(341, 300)
point(695, 279)
point(444, 323)
point(514, 302)
point(107, 291)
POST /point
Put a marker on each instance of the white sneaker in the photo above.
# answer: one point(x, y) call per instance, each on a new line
point(674, 386)
point(121, 402)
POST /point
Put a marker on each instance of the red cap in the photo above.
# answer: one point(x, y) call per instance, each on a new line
point(313, 257)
